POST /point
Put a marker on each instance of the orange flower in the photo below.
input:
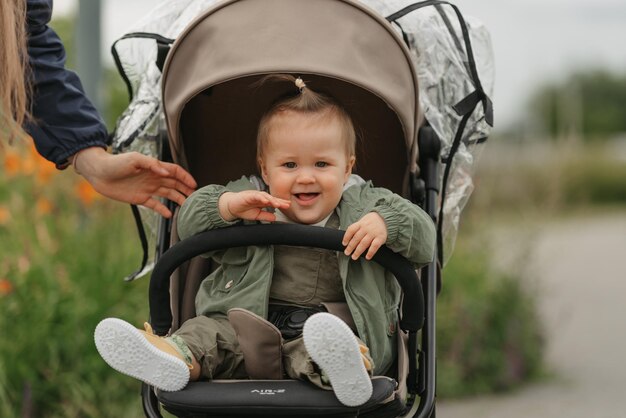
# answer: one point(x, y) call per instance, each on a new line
point(43, 206)
point(42, 168)
point(12, 164)
point(45, 171)
point(86, 193)
point(6, 287)
point(5, 215)
point(29, 165)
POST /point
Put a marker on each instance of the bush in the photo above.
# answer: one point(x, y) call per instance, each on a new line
point(489, 335)
point(537, 178)
point(594, 178)
point(64, 253)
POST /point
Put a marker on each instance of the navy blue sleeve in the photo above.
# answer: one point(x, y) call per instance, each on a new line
point(64, 120)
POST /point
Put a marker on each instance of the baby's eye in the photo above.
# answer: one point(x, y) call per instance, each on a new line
point(289, 164)
point(321, 164)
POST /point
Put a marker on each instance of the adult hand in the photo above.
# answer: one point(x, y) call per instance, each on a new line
point(134, 178)
point(249, 205)
point(368, 233)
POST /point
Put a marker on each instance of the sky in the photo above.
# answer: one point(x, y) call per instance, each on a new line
point(534, 41)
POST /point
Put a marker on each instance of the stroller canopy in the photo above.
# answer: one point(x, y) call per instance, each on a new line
point(357, 59)
point(212, 105)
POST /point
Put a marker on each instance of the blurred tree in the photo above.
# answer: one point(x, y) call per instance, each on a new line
point(589, 104)
point(115, 94)
point(64, 27)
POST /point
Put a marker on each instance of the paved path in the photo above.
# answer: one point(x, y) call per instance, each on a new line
point(581, 270)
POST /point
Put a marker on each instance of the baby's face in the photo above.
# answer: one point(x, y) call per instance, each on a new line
point(305, 161)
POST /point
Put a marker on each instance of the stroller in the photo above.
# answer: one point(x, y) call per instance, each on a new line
point(197, 88)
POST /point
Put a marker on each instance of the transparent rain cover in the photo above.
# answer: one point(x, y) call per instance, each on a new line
point(440, 59)
point(444, 80)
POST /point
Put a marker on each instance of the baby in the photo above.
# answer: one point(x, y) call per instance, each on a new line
point(306, 152)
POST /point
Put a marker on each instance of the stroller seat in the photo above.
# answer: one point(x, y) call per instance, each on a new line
point(244, 398)
point(211, 95)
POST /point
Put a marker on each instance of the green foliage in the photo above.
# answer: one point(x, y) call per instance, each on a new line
point(541, 177)
point(61, 268)
point(489, 335)
point(116, 98)
point(64, 27)
point(114, 91)
point(594, 101)
point(594, 178)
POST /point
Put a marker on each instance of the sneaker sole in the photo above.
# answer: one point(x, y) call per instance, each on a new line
point(125, 349)
point(334, 347)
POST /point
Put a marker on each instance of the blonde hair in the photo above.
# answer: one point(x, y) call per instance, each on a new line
point(14, 90)
point(305, 101)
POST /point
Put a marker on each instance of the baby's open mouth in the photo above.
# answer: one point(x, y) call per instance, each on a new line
point(306, 196)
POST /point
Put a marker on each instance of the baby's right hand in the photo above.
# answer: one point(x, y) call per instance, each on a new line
point(249, 205)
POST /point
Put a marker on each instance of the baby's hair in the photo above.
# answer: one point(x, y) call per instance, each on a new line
point(306, 101)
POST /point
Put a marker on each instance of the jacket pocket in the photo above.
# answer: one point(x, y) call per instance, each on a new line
point(232, 271)
point(392, 321)
point(392, 303)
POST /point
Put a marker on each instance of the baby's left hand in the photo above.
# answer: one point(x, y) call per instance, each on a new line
point(368, 232)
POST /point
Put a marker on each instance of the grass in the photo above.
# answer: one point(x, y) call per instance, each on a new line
point(64, 254)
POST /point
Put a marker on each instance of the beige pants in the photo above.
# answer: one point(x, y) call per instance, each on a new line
point(214, 344)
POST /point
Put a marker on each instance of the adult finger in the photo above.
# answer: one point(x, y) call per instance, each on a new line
point(171, 194)
point(158, 207)
point(171, 183)
point(177, 172)
point(183, 188)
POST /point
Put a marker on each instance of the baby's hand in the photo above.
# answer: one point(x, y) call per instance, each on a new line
point(368, 232)
point(249, 205)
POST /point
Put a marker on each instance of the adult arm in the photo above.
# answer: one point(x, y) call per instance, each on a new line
point(134, 178)
point(65, 121)
point(67, 128)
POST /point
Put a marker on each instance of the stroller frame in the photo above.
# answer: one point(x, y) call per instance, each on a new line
point(421, 378)
point(423, 189)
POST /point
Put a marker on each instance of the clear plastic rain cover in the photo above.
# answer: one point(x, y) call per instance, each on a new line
point(437, 47)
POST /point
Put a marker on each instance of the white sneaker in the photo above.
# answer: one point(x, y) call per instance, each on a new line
point(334, 347)
point(141, 355)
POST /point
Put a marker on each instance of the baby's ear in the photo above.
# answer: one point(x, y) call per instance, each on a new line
point(349, 167)
point(263, 171)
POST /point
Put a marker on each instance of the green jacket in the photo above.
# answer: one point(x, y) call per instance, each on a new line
point(372, 294)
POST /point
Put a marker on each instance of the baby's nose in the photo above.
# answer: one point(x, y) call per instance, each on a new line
point(306, 177)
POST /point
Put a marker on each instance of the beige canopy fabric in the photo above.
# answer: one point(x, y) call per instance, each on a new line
point(212, 102)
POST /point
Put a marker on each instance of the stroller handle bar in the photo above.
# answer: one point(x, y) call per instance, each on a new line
point(289, 234)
